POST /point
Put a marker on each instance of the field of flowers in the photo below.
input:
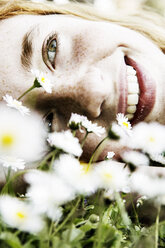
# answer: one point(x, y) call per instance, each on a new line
point(72, 204)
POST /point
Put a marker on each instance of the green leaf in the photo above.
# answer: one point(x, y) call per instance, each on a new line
point(107, 233)
point(88, 226)
point(73, 234)
point(29, 245)
point(64, 245)
point(162, 231)
point(30, 240)
point(56, 242)
point(106, 215)
point(10, 239)
point(93, 218)
point(89, 207)
point(80, 222)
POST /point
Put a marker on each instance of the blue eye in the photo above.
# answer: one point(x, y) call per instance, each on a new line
point(51, 51)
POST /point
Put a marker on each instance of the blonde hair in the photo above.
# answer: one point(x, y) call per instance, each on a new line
point(144, 20)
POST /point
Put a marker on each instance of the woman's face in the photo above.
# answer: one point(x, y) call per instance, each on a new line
point(90, 65)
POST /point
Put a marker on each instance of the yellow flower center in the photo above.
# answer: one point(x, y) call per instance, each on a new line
point(17, 103)
point(151, 139)
point(43, 80)
point(86, 167)
point(20, 215)
point(125, 124)
point(7, 140)
point(107, 176)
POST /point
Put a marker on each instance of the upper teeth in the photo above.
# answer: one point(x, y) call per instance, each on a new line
point(133, 92)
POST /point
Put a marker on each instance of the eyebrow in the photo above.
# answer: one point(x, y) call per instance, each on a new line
point(27, 48)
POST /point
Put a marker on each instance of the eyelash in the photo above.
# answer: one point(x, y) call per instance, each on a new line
point(48, 119)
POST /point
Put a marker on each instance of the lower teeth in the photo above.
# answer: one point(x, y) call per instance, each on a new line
point(131, 109)
point(129, 116)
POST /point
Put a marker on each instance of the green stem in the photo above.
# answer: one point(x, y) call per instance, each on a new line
point(124, 215)
point(135, 212)
point(17, 232)
point(98, 241)
point(84, 139)
point(93, 154)
point(11, 180)
point(68, 216)
point(69, 232)
point(83, 202)
point(157, 228)
point(8, 189)
point(53, 158)
point(50, 232)
point(74, 133)
point(46, 159)
point(8, 174)
point(31, 88)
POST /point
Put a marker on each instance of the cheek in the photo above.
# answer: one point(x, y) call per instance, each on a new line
point(73, 51)
point(14, 82)
point(82, 50)
point(107, 146)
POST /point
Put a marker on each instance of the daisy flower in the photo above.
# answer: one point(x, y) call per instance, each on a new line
point(65, 141)
point(117, 133)
point(124, 123)
point(88, 181)
point(76, 175)
point(160, 200)
point(110, 155)
point(13, 103)
point(14, 163)
point(148, 185)
point(76, 121)
point(18, 214)
point(55, 191)
point(55, 213)
point(68, 168)
point(93, 127)
point(21, 136)
point(42, 80)
point(136, 158)
point(158, 158)
point(149, 137)
point(112, 175)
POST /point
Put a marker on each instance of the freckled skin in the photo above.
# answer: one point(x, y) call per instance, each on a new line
point(87, 68)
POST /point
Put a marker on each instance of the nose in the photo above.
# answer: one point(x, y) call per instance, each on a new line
point(91, 92)
point(88, 91)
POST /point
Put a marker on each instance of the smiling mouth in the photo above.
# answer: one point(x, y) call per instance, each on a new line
point(138, 96)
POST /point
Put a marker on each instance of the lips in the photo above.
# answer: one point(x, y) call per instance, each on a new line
point(147, 93)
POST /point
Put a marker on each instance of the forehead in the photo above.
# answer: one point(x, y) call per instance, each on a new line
point(16, 24)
